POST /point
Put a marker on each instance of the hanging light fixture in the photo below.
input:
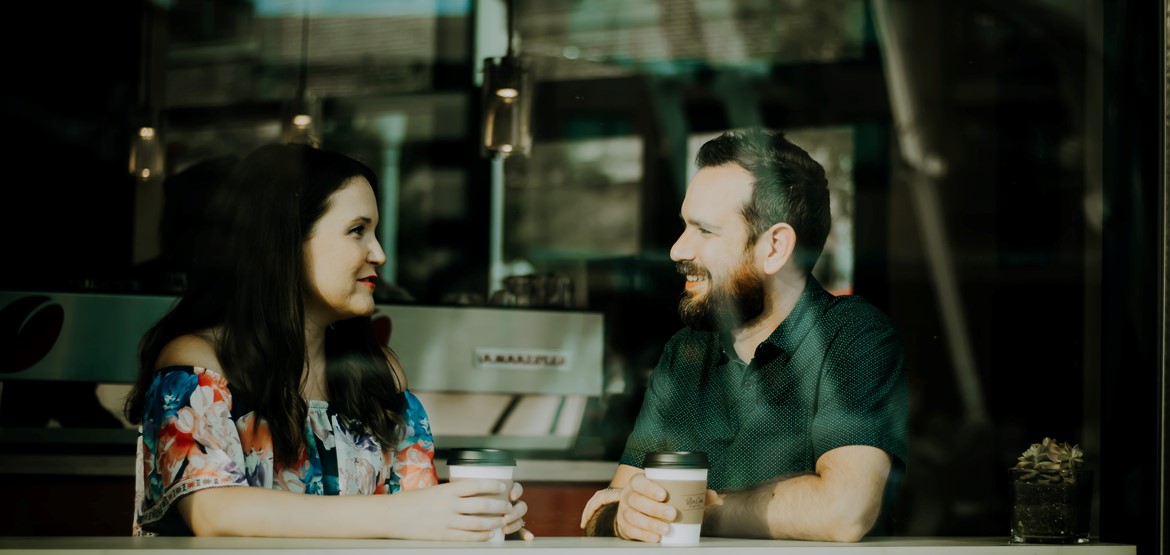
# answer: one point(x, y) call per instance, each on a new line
point(146, 153)
point(300, 123)
point(507, 109)
point(507, 101)
point(146, 159)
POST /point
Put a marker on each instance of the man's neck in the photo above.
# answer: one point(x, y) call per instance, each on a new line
point(782, 295)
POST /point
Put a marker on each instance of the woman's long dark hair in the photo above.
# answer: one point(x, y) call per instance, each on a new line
point(247, 282)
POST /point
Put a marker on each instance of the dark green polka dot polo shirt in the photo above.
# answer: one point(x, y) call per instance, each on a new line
point(830, 375)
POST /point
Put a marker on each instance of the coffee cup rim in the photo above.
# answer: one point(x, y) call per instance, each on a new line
point(480, 457)
point(676, 459)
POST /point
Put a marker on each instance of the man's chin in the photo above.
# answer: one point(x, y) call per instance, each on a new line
point(695, 317)
point(699, 324)
point(706, 319)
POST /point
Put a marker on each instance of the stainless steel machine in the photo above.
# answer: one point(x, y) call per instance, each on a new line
point(501, 377)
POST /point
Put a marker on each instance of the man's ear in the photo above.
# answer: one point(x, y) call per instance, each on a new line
point(779, 244)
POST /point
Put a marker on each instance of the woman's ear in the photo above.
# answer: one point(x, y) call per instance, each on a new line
point(779, 244)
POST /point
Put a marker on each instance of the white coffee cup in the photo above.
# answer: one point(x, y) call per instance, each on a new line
point(493, 464)
point(684, 476)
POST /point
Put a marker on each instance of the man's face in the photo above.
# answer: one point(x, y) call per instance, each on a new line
point(725, 286)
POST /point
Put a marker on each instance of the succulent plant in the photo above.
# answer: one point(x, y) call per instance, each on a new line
point(1050, 462)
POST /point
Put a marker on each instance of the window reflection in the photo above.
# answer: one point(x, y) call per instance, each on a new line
point(1038, 111)
point(573, 201)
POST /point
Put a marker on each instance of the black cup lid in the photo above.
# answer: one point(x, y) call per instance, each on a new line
point(480, 457)
point(675, 459)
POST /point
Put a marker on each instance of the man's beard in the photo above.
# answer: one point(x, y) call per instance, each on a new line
point(724, 307)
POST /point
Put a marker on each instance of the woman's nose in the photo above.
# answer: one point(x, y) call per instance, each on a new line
point(377, 256)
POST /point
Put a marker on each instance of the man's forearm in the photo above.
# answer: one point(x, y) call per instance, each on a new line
point(745, 513)
point(602, 523)
point(791, 507)
point(740, 514)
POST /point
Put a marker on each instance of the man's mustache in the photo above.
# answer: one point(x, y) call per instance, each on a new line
point(690, 269)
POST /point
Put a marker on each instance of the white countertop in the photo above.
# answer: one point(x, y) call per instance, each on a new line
point(543, 546)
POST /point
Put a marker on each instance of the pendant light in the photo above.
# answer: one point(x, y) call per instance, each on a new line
point(507, 100)
point(300, 124)
point(146, 153)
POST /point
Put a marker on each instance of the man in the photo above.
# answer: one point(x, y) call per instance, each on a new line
point(799, 398)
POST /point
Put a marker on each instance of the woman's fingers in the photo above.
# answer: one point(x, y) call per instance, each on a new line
point(467, 488)
point(520, 533)
point(516, 530)
point(476, 523)
point(518, 511)
point(482, 506)
point(456, 535)
point(479, 512)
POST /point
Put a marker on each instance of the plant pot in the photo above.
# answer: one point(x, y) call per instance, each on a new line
point(1052, 508)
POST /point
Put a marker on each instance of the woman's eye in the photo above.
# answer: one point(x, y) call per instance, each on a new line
point(359, 230)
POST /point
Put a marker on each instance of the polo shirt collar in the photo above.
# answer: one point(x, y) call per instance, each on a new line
point(791, 332)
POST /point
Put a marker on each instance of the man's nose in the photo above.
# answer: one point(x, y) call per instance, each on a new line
point(681, 250)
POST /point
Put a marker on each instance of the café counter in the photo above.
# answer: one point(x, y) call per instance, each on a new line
point(546, 546)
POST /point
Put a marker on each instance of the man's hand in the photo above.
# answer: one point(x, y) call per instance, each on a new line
point(642, 513)
point(600, 499)
point(631, 508)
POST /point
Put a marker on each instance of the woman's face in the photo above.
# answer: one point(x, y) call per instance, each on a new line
point(342, 254)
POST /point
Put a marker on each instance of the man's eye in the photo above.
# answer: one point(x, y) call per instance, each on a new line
point(704, 231)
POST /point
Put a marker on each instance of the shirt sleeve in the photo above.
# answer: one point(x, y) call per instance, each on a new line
point(187, 443)
point(412, 462)
point(864, 393)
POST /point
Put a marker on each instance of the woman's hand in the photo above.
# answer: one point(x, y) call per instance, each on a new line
point(459, 511)
point(515, 527)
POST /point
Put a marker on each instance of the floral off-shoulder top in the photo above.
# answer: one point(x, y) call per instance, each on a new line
point(193, 437)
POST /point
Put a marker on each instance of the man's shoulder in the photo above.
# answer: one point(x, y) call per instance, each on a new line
point(860, 327)
point(854, 310)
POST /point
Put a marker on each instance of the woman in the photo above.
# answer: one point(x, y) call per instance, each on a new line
point(267, 374)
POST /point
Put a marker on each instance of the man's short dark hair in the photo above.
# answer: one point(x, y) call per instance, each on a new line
point(787, 186)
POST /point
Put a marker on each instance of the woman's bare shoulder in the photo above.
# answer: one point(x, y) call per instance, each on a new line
point(192, 349)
